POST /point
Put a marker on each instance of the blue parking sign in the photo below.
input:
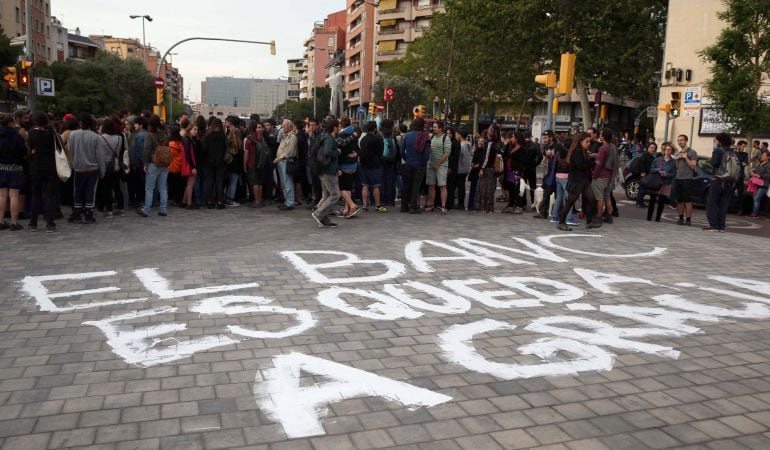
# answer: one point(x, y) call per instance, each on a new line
point(45, 87)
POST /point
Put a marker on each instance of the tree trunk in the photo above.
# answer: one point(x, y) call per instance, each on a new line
point(475, 117)
point(585, 108)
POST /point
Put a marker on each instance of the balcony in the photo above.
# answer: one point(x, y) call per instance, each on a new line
point(391, 33)
point(397, 13)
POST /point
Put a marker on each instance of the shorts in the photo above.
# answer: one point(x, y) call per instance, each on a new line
point(683, 190)
point(255, 176)
point(346, 181)
point(436, 176)
point(371, 176)
point(601, 188)
point(11, 178)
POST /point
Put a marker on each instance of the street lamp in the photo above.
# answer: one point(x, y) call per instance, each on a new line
point(144, 45)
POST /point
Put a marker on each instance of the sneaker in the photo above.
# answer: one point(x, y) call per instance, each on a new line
point(538, 216)
point(232, 204)
point(382, 209)
point(75, 219)
point(118, 212)
point(340, 213)
point(688, 223)
point(518, 210)
point(352, 213)
point(722, 230)
point(555, 220)
point(443, 211)
point(573, 223)
point(680, 222)
point(563, 227)
point(327, 224)
point(109, 215)
point(593, 225)
point(15, 227)
point(141, 212)
point(365, 208)
point(713, 229)
point(221, 206)
point(319, 221)
point(507, 210)
point(162, 214)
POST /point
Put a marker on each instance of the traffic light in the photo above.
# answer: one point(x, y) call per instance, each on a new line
point(676, 99)
point(566, 73)
point(419, 111)
point(24, 73)
point(547, 79)
point(665, 107)
point(555, 107)
point(272, 48)
point(372, 109)
point(9, 78)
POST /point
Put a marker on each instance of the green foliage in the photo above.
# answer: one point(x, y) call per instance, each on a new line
point(102, 86)
point(8, 54)
point(406, 96)
point(299, 110)
point(739, 59)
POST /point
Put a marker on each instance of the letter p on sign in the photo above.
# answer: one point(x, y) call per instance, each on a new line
point(45, 87)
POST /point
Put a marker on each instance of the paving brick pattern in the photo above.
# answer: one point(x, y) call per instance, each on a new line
point(61, 385)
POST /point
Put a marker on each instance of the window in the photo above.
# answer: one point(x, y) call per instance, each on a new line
point(330, 42)
point(18, 15)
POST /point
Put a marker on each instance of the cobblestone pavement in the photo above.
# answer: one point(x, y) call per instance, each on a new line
point(164, 352)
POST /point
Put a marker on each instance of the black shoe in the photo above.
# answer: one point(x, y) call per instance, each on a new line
point(162, 214)
point(285, 208)
point(327, 224)
point(50, 228)
point(221, 206)
point(32, 227)
point(680, 222)
point(89, 220)
point(75, 219)
point(688, 223)
point(615, 214)
point(563, 227)
point(594, 225)
point(15, 227)
point(608, 219)
point(210, 205)
point(141, 213)
point(415, 211)
point(4, 225)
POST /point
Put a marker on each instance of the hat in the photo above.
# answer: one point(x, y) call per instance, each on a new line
point(548, 133)
point(68, 116)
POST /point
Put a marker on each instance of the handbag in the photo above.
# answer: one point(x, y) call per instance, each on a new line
point(63, 167)
point(291, 166)
point(349, 168)
point(652, 182)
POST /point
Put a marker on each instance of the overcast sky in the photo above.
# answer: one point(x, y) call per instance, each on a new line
point(289, 22)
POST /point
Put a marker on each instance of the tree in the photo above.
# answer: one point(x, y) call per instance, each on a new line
point(300, 109)
point(407, 95)
point(740, 59)
point(8, 54)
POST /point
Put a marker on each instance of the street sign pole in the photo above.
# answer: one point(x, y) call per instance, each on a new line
point(549, 113)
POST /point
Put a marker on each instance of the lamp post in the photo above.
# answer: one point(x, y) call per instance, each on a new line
point(144, 45)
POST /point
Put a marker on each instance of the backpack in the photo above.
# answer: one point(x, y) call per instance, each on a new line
point(730, 169)
point(262, 155)
point(389, 150)
point(321, 158)
point(162, 155)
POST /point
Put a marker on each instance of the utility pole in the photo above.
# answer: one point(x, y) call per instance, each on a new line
point(449, 73)
point(30, 55)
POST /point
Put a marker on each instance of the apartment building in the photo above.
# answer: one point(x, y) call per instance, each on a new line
point(399, 23)
point(13, 19)
point(325, 41)
point(226, 96)
point(359, 52)
point(296, 69)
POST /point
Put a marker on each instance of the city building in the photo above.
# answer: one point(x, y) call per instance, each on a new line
point(359, 53)
point(225, 96)
point(296, 69)
point(326, 40)
point(125, 48)
point(81, 48)
point(13, 19)
point(692, 25)
point(59, 40)
point(399, 23)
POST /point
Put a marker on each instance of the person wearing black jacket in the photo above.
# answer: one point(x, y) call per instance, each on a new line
point(42, 169)
point(643, 168)
point(454, 163)
point(473, 176)
point(515, 163)
point(390, 162)
point(370, 158)
point(214, 147)
point(533, 158)
point(579, 182)
point(721, 189)
point(302, 187)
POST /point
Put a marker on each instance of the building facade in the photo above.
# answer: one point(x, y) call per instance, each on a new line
point(399, 23)
point(13, 19)
point(59, 40)
point(225, 96)
point(125, 48)
point(359, 53)
point(325, 41)
point(81, 48)
point(296, 69)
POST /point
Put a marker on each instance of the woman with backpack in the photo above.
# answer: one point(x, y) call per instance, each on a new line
point(579, 182)
point(256, 158)
point(108, 190)
point(156, 158)
point(191, 156)
point(665, 166)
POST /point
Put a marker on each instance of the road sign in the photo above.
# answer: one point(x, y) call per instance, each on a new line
point(361, 110)
point(45, 87)
point(388, 97)
point(692, 101)
point(380, 107)
point(652, 111)
point(159, 83)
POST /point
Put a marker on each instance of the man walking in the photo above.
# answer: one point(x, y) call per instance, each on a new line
point(328, 175)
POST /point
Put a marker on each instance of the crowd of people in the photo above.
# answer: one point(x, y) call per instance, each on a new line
point(336, 169)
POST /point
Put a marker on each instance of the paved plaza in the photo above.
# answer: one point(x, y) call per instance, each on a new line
point(255, 329)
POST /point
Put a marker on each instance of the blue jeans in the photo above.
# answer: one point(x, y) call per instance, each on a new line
point(718, 202)
point(199, 189)
point(232, 185)
point(156, 176)
point(561, 195)
point(761, 193)
point(287, 183)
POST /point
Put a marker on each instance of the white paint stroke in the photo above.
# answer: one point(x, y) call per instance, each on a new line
point(457, 344)
point(564, 292)
point(761, 287)
point(139, 344)
point(535, 251)
point(604, 334)
point(489, 298)
point(601, 281)
point(659, 317)
point(312, 271)
point(750, 311)
point(33, 287)
point(385, 307)
point(160, 286)
point(299, 409)
point(548, 242)
point(580, 307)
point(414, 254)
point(234, 305)
point(452, 304)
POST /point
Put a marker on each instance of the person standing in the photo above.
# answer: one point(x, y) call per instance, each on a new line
point(214, 148)
point(579, 182)
point(233, 160)
point(370, 157)
point(722, 183)
point(473, 176)
point(43, 142)
point(287, 152)
point(533, 156)
point(328, 175)
point(760, 176)
point(438, 167)
point(390, 161)
point(13, 152)
point(550, 148)
point(136, 177)
point(416, 148)
point(514, 167)
point(157, 175)
point(464, 160)
point(111, 145)
point(604, 169)
point(192, 154)
point(256, 158)
point(88, 164)
point(665, 166)
point(487, 184)
point(686, 162)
